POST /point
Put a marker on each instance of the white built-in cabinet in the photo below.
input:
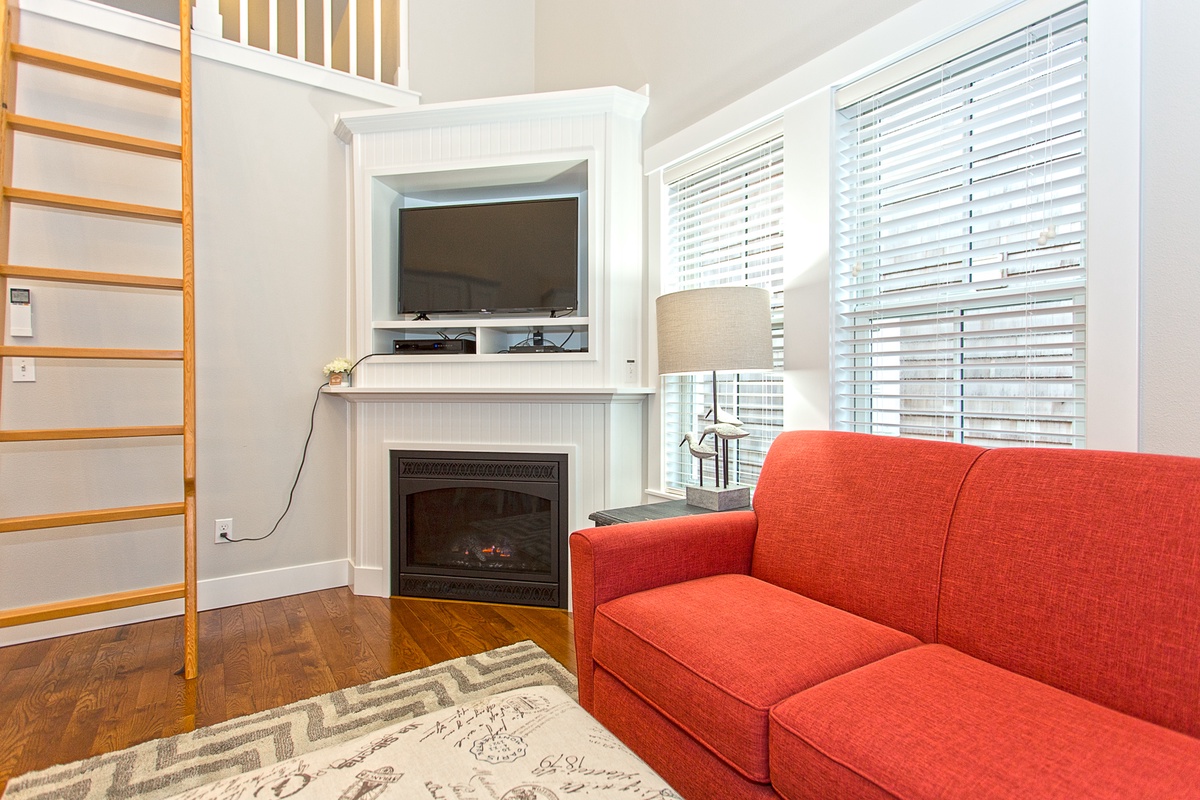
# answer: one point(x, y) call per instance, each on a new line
point(585, 144)
point(588, 402)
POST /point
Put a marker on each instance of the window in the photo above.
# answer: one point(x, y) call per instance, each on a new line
point(725, 227)
point(959, 304)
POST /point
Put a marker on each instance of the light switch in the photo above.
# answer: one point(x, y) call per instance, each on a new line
point(23, 370)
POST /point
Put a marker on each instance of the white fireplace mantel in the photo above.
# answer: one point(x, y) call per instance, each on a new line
point(353, 394)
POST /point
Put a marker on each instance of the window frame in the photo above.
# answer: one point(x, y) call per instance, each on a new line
point(755, 397)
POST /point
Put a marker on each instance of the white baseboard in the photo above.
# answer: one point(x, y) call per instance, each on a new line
point(213, 593)
point(369, 582)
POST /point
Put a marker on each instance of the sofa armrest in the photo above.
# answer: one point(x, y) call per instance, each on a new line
point(616, 560)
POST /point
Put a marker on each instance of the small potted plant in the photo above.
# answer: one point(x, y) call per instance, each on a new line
point(338, 371)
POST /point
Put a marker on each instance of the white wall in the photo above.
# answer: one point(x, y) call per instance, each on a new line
point(468, 49)
point(697, 55)
point(271, 309)
point(1170, 380)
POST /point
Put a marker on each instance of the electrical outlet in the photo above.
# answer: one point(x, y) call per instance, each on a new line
point(224, 530)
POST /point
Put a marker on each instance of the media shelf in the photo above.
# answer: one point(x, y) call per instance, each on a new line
point(492, 336)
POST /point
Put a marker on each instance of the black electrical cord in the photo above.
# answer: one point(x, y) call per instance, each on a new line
point(312, 421)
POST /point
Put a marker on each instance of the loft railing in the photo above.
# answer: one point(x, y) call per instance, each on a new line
point(360, 37)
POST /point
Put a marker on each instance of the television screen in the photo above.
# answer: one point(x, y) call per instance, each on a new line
point(520, 256)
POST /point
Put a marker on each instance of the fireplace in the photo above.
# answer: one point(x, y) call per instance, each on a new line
point(490, 527)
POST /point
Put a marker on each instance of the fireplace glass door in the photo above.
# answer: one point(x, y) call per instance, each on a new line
point(480, 526)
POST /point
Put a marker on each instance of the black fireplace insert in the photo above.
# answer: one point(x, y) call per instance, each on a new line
point(480, 526)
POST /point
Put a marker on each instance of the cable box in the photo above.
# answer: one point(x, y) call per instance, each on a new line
point(418, 346)
point(535, 348)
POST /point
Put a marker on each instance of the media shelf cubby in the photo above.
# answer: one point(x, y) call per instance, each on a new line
point(492, 336)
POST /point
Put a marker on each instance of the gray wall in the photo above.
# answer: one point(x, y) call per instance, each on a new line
point(271, 300)
point(697, 55)
point(467, 49)
point(1170, 345)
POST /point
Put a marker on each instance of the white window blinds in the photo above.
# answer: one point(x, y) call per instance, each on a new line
point(725, 227)
point(959, 293)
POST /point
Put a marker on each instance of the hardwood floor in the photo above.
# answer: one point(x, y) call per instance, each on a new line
point(76, 696)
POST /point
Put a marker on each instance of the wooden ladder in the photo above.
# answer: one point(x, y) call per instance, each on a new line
point(12, 55)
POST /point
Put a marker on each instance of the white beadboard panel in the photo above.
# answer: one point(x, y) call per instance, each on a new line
point(481, 141)
point(456, 372)
point(583, 430)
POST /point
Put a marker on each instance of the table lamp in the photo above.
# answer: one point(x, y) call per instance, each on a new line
point(716, 329)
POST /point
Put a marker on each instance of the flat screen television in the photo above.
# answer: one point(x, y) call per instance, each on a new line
point(485, 258)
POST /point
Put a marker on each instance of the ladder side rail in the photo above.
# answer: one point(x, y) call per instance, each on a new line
point(191, 622)
point(8, 92)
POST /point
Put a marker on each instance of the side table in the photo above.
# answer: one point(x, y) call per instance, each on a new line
point(671, 508)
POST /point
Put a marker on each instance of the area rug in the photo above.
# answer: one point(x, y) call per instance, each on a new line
point(534, 743)
point(164, 767)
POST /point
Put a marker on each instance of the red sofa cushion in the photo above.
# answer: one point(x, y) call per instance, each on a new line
point(715, 654)
point(932, 722)
point(1081, 569)
point(692, 770)
point(859, 522)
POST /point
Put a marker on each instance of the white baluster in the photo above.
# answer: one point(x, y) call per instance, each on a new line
point(273, 26)
point(327, 23)
point(377, 36)
point(301, 35)
point(401, 78)
point(206, 18)
point(352, 31)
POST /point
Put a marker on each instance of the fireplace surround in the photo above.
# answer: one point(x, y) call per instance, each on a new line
point(483, 526)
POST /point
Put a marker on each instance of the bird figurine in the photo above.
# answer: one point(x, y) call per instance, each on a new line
point(723, 432)
point(725, 416)
point(700, 451)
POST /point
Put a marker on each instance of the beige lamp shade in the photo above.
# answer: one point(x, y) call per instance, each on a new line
point(715, 329)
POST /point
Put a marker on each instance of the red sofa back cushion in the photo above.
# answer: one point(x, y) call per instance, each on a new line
point(859, 522)
point(1082, 569)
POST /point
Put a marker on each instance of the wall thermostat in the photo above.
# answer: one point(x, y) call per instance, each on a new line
point(20, 312)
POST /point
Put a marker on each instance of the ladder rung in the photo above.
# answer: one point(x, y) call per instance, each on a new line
point(90, 605)
point(94, 69)
point(75, 133)
point(76, 203)
point(95, 278)
point(68, 518)
point(56, 434)
point(14, 351)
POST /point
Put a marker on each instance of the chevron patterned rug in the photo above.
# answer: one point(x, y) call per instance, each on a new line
point(166, 766)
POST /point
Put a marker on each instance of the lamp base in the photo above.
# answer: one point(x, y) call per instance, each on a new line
point(719, 499)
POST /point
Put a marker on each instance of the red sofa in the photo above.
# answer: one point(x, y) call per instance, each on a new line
point(908, 619)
